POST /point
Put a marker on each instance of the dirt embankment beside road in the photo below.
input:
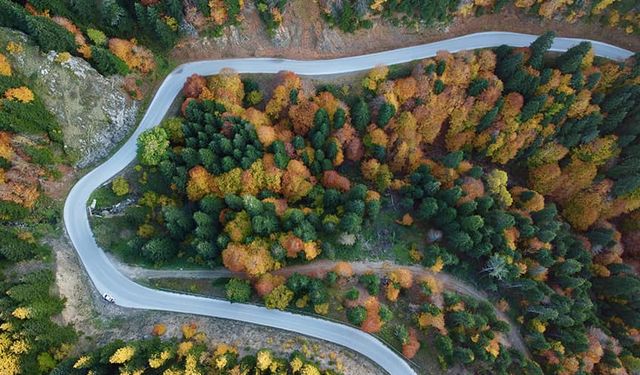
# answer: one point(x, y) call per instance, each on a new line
point(99, 322)
point(305, 35)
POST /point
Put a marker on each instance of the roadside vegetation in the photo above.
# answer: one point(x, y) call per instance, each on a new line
point(351, 15)
point(194, 353)
point(122, 37)
point(31, 152)
point(410, 309)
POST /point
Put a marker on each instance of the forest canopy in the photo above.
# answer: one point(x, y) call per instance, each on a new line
point(519, 165)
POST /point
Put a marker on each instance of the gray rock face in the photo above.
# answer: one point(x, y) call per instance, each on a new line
point(94, 111)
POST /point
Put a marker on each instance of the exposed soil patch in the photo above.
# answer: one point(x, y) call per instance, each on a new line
point(58, 189)
point(305, 35)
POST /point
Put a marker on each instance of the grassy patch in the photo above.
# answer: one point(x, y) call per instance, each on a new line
point(114, 233)
point(105, 197)
point(384, 239)
point(401, 253)
point(205, 287)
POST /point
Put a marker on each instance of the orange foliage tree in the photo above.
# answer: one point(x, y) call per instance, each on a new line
point(301, 116)
point(22, 94)
point(343, 269)
point(135, 56)
point(296, 181)
point(410, 349)
point(372, 322)
point(193, 86)
point(266, 283)
point(253, 259)
point(584, 208)
point(333, 180)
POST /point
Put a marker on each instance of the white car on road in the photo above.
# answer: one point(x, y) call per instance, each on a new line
point(108, 298)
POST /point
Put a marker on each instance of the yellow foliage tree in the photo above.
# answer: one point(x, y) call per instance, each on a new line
point(584, 208)
point(120, 186)
point(6, 151)
point(311, 250)
point(22, 313)
point(375, 76)
point(254, 258)
point(264, 358)
point(343, 269)
point(404, 89)
point(309, 369)
point(21, 94)
point(157, 360)
point(426, 320)
point(493, 347)
point(239, 227)
point(321, 309)
point(296, 181)
point(5, 67)
point(227, 183)
point(497, 183)
point(200, 183)
point(279, 298)
point(82, 362)
point(391, 292)
point(122, 355)
point(184, 348)
point(226, 87)
point(402, 276)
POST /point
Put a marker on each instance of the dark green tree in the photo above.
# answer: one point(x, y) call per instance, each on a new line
point(371, 282)
point(339, 118)
point(570, 61)
point(159, 250)
point(385, 113)
point(360, 116)
point(538, 48)
point(357, 315)
point(477, 86)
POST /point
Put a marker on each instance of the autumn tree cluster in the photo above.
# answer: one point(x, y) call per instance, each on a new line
point(30, 142)
point(30, 151)
point(615, 14)
point(271, 12)
point(255, 184)
point(352, 15)
point(252, 189)
point(194, 353)
point(118, 36)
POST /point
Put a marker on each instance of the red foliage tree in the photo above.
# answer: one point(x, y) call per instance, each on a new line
point(193, 86)
point(333, 180)
point(410, 349)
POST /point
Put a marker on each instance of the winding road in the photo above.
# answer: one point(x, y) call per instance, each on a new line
point(108, 279)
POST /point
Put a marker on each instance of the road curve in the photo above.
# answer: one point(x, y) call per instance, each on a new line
point(106, 277)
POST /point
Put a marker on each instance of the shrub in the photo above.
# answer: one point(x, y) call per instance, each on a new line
point(120, 186)
point(238, 290)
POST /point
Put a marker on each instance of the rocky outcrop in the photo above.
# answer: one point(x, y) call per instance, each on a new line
point(94, 112)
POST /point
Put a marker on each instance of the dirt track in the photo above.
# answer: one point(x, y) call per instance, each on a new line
point(321, 267)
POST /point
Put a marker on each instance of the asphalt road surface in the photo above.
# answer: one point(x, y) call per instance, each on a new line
point(106, 277)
